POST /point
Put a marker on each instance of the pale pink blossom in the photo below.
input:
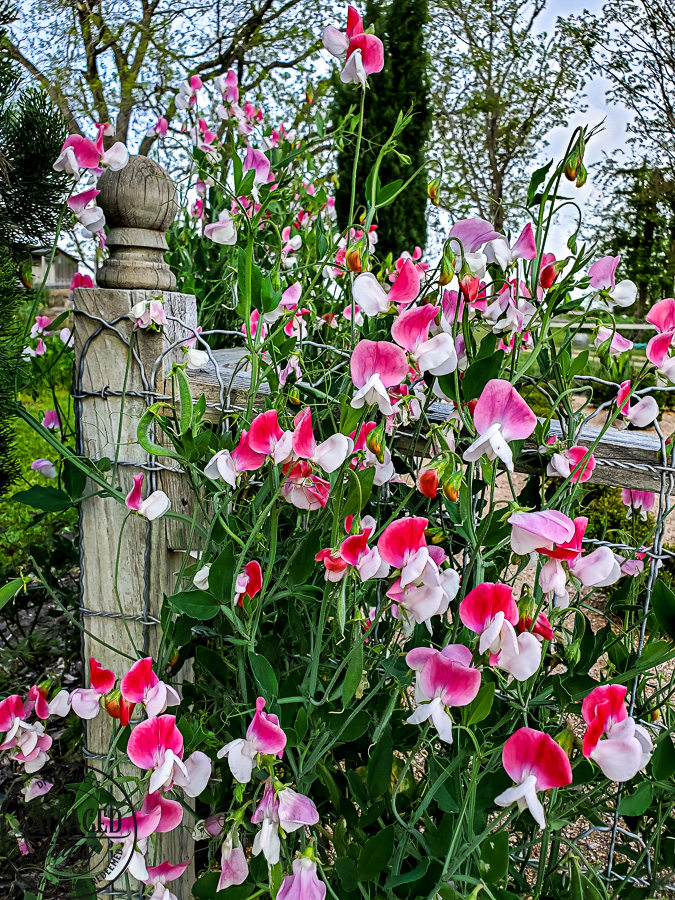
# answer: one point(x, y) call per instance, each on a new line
point(264, 736)
point(373, 300)
point(618, 344)
point(141, 685)
point(603, 278)
point(283, 808)
point(500, 416)
point(613, 739)
point(638, 501)
point(376, 366)
point(642, 413)
point(44, 467)
point(155, 504)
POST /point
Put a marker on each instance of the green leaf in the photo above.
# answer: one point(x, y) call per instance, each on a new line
point(185, 397)
point(213, 664)
point(536, 181)
point(358, 495)
point(579, 364)
point(352, 675)
point(204, 888)
point(663, 604)
point(375, 854)
point(74, 479)
point(638, 802)
point(388, 193)
point(480, 707)
point(494, 857)
point(479, 373)
point(663, 760)
point(48, 499)
point(408, 877)
point(10, 590)
point(304, 565)
point(196, 604)
point(221, 574)
point(264, 675)
point(379, 766)
point(347, 873)
point(270, 297)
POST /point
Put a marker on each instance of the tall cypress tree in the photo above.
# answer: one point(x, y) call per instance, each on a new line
point(402, 83)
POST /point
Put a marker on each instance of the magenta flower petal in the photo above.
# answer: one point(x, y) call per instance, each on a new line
point(372, 52)
point(304, 443)
point(134, 498)
point(101, 680)
point(139, 679)
point(481, 604)
point(171, 811)
point(526, 246)
point(411, 328)
point(602, 272)
point(264, 432)
point(603, 707)
point(378, 357)
point(501, 404)
point(265, 732)
point(401, 539)
point(530, 752)
point(455, 684)
point(407, 285)
point(151, 739)
point(662, 315)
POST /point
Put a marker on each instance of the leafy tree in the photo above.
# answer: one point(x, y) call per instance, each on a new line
point(638, 222)
point(402, 83)
point(635, 50)
point(498, 87)
point(123, 62)
point(31, 195)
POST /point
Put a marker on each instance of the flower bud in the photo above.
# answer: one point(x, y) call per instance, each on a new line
point(447, 266)
point(353, 258)
point(468, 283)
point(582, 175)
point(655, 715)
point(117, 707)
point(375, 442)
point(451, 485)
point(427, 482)
point(173, 659)
point(294, 397)
point(433, 189)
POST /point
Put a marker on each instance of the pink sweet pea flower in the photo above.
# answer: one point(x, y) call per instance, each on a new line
point(51, 419)
point(501, 415)
point(41, 325)
point(228, 87)
point(491, 612)
point(662, 315)
point(627, 746)
point(160, 128)
point(264, 736)
point(536, 763)
point(86, 702)
point(603, 278)
point(132, 832)
point(223, 230)
point(233, 864)
point(158, 877)
point(304, 883)
point(154, 505)
point(266, 437)
point(329, 455)
point(567, 462)
point(39, 703)
point(289, 301)
point(411, 331)
point(376, 366)
point(537, 530)
point(286, 809)
point(384, 471)
point(642, 413)
point(148, 314)
point(403, 546)
point(373, 300)
point(187, 95)
point(36, 787)
point(28, 740)
point(77, 153)
point(618, 344)
point(542, 628)
point(228, 466)
point(44, 467)
point(257, 162)
point(336, 567)
point(81, 281)
point(170, 811)
point(657, 353)
point(248, 583)
point(638, 501)
point(470, 234)
point(90, 217)
point(498, 250)
point(364, 53)
point(444, 678)
point(305, 490)
point(366, 561)
point(141, 685)
point(157, 745)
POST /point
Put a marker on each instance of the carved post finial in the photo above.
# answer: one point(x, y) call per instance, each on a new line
point(139, 202)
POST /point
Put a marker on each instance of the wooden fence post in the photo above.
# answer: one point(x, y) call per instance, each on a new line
point(128, 563)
